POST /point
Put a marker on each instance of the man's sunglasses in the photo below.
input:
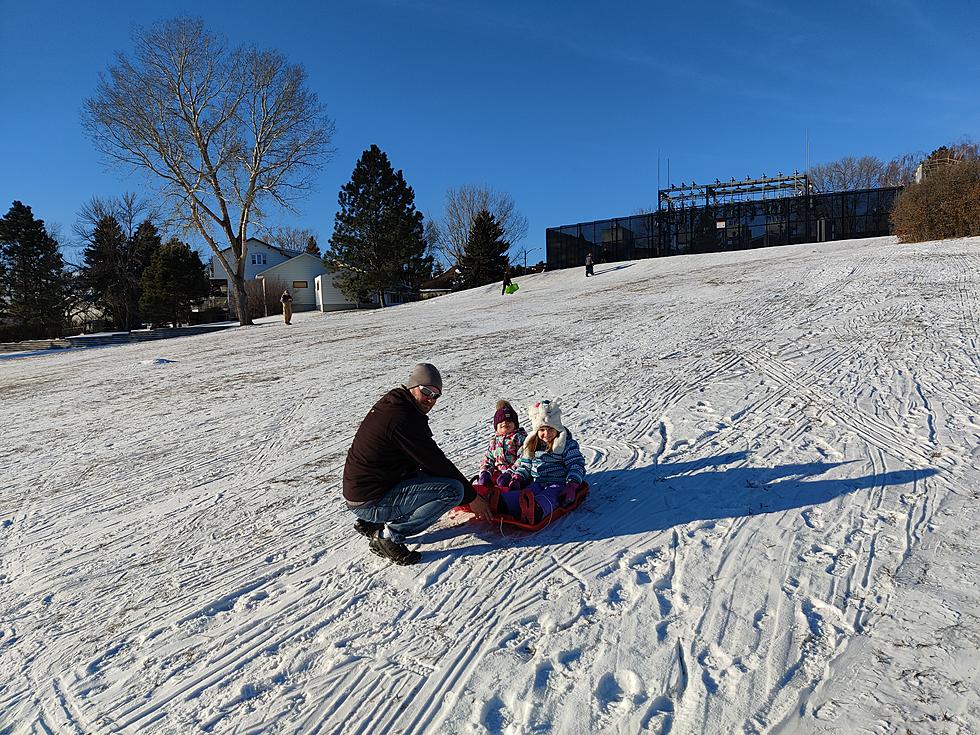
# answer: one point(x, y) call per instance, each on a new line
point(429, 393)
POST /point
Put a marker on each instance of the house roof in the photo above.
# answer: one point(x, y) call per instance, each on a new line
point(287, 253)
point(292, 260)
point(442, 282)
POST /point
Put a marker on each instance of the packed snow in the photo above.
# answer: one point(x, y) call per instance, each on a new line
point(783, 449)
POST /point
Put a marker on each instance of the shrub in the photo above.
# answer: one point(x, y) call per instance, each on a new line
point(261, 301)
point(945, 204)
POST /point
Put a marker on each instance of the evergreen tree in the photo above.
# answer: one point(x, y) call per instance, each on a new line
point(113, 268)
point(311, 247)
point(142, 246)
point(101, 270)
point(3, 283)
point(485, 256)
point(32, 273)
point(172, 282)
point(378, 240)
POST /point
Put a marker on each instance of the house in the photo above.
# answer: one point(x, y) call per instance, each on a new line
point(330, 298)
point(277, 269)
point(442, 284)
point(261, 256)
point(300, 275)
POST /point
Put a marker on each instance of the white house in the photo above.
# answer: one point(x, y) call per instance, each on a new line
point(300, 274)
point(303, 274)
point(261, 256)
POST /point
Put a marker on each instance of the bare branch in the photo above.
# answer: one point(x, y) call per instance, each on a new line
point(221, 131)
point(462, 207)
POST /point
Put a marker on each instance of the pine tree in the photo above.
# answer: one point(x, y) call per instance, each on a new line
point(113, 267)
point(485, 257)
point(142, 246)
point(3, 283)
point(172, 282)
point(311, 247)
point(33, 274)
point(378, 240)
point(100, 270)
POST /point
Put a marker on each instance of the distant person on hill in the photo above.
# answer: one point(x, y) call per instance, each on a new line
point(287, 306)
point(588, 265)
point(506, 283)
point(397, 481)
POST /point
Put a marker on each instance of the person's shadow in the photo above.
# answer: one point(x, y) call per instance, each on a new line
point(614, 268)
point(642, 500)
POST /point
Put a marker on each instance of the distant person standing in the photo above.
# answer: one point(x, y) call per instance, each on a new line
point(588, 265)
point(506, 283)
point(287, 307)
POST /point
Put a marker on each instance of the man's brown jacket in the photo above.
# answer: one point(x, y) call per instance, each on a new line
point(393, 443)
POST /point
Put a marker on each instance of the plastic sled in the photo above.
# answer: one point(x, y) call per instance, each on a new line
point(511, 288)
point(509, 520)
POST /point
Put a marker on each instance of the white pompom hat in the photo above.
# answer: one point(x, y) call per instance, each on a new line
point(546, 413)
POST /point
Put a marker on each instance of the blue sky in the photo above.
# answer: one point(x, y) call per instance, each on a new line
point(566, 106)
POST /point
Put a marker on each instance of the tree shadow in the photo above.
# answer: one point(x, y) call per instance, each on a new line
point(655, 498)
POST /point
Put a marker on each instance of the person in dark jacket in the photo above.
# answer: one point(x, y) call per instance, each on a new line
point(506, 282)
point(588, 265)
point(287, 307)
point(397, 480)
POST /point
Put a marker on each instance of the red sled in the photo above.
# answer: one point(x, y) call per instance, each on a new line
point(509, 520)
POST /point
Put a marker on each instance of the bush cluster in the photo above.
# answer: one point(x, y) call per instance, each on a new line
point(945, 204)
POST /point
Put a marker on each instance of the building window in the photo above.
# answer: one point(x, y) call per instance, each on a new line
point(300, 284)
point(258, 258)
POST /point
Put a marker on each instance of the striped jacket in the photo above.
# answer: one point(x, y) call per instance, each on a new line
point(503, 452)
point(564, 463)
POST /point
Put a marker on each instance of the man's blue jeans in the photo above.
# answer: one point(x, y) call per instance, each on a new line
point(413, 505)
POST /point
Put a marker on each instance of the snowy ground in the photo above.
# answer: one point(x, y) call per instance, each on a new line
point(783, 447)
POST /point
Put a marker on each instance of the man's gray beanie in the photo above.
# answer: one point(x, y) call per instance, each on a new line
point(424, 374)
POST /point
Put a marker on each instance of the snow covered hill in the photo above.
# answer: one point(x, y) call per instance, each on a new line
point(783, 447)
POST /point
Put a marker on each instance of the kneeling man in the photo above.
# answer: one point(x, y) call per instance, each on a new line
point(397, 480)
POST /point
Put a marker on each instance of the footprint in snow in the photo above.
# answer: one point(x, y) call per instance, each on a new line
point(818, 553)
point(617, 599)
point(845, 560)
point(813, 517)
point(496, 716)
point(647, 566)
point(617, 695)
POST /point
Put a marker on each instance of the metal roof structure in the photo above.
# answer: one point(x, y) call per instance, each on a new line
point(722, 192)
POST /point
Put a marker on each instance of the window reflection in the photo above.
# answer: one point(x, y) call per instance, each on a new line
point(724, 226)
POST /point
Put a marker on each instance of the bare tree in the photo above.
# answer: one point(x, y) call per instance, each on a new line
point(222, 131)
point(962, 150)
point(847, 174)
point(462, 207)
point(900, 171)
point(289, 238)
point(129, 210)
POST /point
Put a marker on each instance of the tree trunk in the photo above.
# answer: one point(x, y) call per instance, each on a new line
point(241, 299)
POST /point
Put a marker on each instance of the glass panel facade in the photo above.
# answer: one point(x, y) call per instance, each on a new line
point(720, 227)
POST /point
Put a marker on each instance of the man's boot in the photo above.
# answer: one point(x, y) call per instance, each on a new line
point(393, 551)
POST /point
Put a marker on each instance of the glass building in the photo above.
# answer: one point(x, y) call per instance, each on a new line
point(729, 216)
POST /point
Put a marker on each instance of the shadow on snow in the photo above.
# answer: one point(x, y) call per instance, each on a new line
point(659, 497)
